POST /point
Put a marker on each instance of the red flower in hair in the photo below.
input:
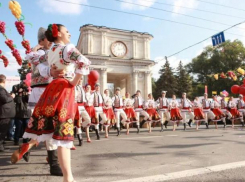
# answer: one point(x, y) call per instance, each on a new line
point(55, 30)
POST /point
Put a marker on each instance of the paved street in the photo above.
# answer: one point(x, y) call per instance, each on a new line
point(204, 155)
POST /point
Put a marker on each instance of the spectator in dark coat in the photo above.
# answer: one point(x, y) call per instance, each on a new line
point(23, 114)
point(7, 110)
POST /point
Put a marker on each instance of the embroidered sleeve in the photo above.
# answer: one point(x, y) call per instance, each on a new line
point(36, 57)
point(71, 54)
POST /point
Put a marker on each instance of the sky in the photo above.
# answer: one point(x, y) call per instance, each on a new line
point(169, 37)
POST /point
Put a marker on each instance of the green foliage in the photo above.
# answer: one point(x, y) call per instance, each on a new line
point(223, 58)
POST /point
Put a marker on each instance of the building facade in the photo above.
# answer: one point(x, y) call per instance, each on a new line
point(121, 57)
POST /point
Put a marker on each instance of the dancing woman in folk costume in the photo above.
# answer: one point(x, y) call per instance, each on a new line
point(206, 106)
point(241, 107)
point(198, 113)
point(224, 109)
point(107, 109)
point(40, 78)
point(117, 102)
point(174, 112)
point(163, 105)
point(219, 115)
point(54, 114)
point(150, 107)
point(129, 110)
point(84, 116)
point(234, 112)
point(90, 108)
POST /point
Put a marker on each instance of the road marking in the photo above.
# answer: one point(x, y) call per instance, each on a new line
point(186, 173)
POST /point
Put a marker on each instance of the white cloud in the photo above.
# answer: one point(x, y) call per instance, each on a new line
point(173, 61)
point(62, 8)
point(189, 4)
point(145, 4)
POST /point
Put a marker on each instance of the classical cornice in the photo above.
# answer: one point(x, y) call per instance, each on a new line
point(108, 29)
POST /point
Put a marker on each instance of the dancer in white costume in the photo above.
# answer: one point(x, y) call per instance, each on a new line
point(208, 114)
point(150, 107)
point(138, 108)
point(241, 108)
point(163, 106)
point(129, 111)
point(84, 116)
point(234, 111)
point(186, 112)
point(174, 112)
point(224, 109)
point(198, 112)
point(117, 102)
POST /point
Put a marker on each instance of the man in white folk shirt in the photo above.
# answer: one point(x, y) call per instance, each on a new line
point(117, 103)
point(241, 107)
point(163, 106)
point(98, 106)
point(85, 118)
point(224, 109)
point(206, 105)
point(186, 106)
point(138, 108)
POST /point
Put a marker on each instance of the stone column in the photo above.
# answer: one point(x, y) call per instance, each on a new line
point(135, 82)
point(146, 48)
point(90, 42)
point(103, 77)
point(134, 47)
point(148, 86)
point(103, 43)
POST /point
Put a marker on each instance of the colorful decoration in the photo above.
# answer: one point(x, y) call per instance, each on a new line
point(222, 75)
point(10, 44)
point(15, 8)
point(241, 71)
point(225, 93)
point(232, 75)
point(5, 60)
point(216, 76)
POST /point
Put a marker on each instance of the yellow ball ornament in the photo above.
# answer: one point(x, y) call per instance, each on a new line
point(15, 8)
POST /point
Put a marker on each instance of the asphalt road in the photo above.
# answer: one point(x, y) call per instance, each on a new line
point(204, 155)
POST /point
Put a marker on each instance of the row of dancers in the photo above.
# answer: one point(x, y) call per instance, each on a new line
point(120, 110)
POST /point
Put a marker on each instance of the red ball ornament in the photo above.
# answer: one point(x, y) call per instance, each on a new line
point(235, 89)
point(93, 75)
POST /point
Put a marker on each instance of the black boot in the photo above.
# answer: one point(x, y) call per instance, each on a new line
point(80, 139)
point(53, 163)
point(189, 123)
point(26, 156)
point(165, 124)
point(161, 128)
point(206, 125)
point(142, 122)
point(138, 128)
point(97, 134)
point(242, 124)
point(118, 131)
point(184, 126)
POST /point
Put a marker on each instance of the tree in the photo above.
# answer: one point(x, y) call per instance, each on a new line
point(167, 81)
point(225, 57)
point(184, 81)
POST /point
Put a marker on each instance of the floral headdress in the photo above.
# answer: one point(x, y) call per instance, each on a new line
point(54, 29)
